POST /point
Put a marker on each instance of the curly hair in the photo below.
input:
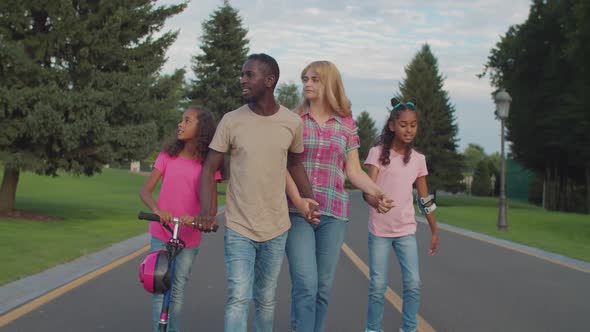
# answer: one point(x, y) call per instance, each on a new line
point(205, 130)
point(387, 135)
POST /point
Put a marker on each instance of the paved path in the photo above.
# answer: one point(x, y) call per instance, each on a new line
point(472, 285)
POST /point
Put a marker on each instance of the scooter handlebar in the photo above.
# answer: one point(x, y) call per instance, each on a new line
point(148, 216)
point(155, 217)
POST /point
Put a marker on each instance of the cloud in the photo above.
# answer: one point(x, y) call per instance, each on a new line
point(371, 42)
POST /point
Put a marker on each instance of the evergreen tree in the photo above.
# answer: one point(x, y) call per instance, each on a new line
point(367, 133)
point(481, 184)
point(437, 130)
point(288, 95)
point(79, 85)
point(225, 48)
point(543, 64)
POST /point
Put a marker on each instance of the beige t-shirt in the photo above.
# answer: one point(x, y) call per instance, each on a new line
point(256, 204)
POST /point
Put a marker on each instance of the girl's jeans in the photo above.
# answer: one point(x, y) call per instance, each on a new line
point(182, 269)
point(312, 251)
point(406, 251)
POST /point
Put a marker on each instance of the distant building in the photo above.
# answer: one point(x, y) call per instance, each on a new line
point(135, 166)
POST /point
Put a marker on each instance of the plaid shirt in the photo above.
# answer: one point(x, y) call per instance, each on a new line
point(324, 159)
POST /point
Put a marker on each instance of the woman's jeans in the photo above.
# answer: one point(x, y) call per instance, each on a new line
point(406, 251)
point(252, 272)
point(182, 269)
point(312, 251)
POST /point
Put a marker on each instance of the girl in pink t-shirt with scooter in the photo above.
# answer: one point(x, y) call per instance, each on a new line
point(395, 166)
point(179, 165)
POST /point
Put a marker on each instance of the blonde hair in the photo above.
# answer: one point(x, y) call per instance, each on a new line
point(333, 88)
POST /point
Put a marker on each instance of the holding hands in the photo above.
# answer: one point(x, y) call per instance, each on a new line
point(309, 208)
point(380, 202)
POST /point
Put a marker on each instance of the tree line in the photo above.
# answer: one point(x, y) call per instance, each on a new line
point(544, 63)
point(81, 86)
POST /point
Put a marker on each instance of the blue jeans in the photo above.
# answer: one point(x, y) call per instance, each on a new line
point(406, 250)
point(182, 269)
point(313, 252)
point(252, 271)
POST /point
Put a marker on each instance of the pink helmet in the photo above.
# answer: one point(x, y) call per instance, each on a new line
point(153, 272)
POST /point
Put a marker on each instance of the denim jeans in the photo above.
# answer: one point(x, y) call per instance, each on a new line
point(252, 271)
point(406, 250)
point(182, 270)
point(313, 252)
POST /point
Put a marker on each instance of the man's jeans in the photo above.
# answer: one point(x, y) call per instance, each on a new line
point(406, 250)
point(182, 270)
point(313, 252)
point(252, 271)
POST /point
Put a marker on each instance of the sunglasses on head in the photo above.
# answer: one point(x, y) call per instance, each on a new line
point(402, 107)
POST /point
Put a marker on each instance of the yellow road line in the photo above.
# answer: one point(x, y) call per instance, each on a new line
point(390, 295)
point(34, 304)
point(554, 261)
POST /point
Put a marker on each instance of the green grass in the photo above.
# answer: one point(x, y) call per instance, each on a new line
point(567, 234)
point(93, 213)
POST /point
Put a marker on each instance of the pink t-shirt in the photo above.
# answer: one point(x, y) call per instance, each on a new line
point(179, 194)
point(396, 180)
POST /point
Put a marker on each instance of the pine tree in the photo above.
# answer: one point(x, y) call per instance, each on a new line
point(79, 85)
point(367, 133)
point(437, 130)
point(225, 48)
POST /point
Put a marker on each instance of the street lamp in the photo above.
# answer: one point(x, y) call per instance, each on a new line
point(502, 100)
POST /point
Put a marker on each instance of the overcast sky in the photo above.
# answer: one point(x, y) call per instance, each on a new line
point(371, 42)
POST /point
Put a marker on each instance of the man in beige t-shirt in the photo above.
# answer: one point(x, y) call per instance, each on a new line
point(264, 140)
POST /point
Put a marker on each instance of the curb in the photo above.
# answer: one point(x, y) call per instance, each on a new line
point(21, 291)
point(572, 263)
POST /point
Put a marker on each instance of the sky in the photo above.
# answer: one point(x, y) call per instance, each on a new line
point(371, 42)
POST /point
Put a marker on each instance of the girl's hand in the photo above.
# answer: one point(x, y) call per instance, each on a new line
point(372, 201)
point(165, 216)
point(385, 204)
point(433, 244)
point(309, 209)
point(187, 220)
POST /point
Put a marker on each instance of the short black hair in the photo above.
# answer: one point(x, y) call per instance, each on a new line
point(270, 63)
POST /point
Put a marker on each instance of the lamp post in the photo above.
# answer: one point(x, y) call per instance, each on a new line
point(502, 100)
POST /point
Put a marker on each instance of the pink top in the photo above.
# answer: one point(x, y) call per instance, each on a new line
point(179, 194)
point(396, 180)
point(324, 160)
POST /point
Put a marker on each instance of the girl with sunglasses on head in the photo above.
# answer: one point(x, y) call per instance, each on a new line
point(395, 166)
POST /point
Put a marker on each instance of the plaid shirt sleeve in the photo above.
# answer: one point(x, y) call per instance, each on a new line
point(353, 141)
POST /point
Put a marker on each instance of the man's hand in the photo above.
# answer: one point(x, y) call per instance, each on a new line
point(309, 209)
point(205, 223)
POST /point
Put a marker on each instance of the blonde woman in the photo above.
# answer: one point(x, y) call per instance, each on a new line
point(330, 154)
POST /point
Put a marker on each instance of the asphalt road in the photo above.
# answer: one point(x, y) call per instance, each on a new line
point(469, 286)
